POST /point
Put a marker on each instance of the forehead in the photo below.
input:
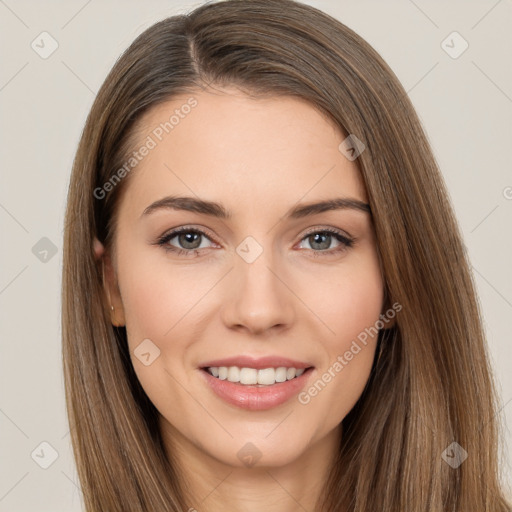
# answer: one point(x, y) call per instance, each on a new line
point(248, 153)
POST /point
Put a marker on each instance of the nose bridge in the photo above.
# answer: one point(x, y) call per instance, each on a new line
point(258, 300)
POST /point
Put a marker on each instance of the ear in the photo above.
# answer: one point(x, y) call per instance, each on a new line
point(112, 294)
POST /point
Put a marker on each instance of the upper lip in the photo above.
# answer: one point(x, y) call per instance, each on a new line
point(258, 363)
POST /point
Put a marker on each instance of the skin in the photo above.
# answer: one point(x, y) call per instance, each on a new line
point(257, 157)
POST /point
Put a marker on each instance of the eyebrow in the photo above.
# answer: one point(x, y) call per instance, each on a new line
point(215, 209)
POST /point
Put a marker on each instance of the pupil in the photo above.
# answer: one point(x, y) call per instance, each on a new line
point(189, 238)
point(322, 245)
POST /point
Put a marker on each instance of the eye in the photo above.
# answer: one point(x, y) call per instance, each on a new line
point(321, 241)
point(187, 241)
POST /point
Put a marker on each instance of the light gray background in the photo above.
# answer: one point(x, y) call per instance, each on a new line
point(464, 103)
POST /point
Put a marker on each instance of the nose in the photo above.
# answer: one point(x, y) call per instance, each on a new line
point(257, 298)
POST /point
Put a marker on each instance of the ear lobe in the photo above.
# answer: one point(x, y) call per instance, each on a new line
point(117, 315)
point(113, 294)
point(98, 248)
point(111, 290)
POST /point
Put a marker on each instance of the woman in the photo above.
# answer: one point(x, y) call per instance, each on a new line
point(267, 304)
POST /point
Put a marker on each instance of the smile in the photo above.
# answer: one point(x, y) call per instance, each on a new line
point(253, 376)
point(256, 389)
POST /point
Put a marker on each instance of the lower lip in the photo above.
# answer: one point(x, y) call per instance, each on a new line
point(256, 398)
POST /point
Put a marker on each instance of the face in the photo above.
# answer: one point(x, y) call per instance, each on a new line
point(246, 282)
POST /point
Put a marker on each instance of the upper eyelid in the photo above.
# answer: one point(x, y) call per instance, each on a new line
point(171, 233)
point(327, 229)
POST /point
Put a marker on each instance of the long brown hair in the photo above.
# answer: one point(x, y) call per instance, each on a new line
point(432, 384)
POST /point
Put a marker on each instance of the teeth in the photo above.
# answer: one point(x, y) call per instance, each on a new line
point(248, 376)
point(290, 373)
point(281, 374)
point(267, 376)
point(234, 374)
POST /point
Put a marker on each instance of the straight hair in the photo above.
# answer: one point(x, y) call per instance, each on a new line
point(432, 384)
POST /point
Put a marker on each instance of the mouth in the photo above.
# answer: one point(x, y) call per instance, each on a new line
point(247, 376)
point(256, 389)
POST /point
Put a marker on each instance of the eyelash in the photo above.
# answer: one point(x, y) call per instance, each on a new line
point(345, 242)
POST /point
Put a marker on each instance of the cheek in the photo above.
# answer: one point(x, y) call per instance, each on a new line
point(361, 303)
point(347, 300)
point(349, 304)
point(358, 304)
point(157, 295)
point(164, 302)
point(159, 304)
